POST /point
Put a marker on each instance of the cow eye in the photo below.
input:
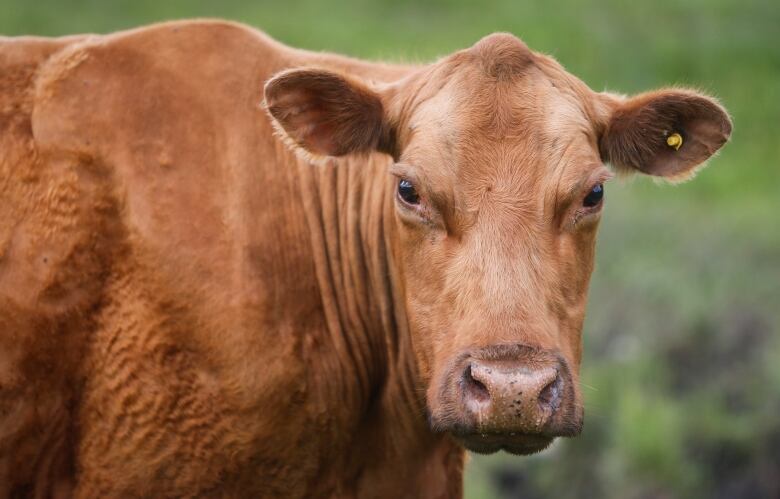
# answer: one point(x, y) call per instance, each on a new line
point(594, 197)
point(407, 192)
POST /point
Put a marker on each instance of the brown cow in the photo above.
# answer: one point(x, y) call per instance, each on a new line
point(189, 308)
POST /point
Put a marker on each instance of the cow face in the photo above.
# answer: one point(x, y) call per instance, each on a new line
point(498, 186)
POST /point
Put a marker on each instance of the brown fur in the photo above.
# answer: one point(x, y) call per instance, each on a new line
point(189, 309)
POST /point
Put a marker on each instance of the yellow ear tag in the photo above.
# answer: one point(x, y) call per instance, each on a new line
point(674, 140)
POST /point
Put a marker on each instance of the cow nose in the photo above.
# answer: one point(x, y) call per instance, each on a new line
point(512, 396)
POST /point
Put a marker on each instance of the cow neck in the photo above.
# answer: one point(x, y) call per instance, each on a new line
point(349, 209)
point(350, 212)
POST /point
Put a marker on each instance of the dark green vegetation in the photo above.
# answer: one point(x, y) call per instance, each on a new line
point(682, 367)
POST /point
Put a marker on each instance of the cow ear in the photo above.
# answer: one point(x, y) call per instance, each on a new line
point(666, 133)
point(327, 114)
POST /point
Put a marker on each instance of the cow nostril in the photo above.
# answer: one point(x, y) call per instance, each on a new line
point(550, 395)
point(474, 388)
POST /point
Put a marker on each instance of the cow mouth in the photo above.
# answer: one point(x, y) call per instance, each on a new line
point(513, 443)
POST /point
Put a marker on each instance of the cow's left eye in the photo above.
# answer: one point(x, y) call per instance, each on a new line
point(594, 197)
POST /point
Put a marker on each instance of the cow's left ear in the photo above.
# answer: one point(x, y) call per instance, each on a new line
point(326, 113)
point(666, 133)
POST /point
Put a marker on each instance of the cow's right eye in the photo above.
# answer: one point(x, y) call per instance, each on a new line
point(407, 192)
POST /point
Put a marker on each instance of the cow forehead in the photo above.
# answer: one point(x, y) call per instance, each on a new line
point(484, 130)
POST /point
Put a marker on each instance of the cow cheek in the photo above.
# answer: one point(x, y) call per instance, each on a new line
point(420, 303)
point(422, 336)
point(427, 312)
point(575, 263)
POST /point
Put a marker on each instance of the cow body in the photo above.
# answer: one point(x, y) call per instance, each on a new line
point(189, 308)
point(163, 331)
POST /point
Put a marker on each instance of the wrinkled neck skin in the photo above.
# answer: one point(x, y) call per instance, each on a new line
point(373, 385)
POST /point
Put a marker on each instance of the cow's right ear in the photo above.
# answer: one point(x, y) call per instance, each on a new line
point(327, 114)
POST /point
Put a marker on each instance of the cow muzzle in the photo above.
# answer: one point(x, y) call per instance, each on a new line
point(511, 397)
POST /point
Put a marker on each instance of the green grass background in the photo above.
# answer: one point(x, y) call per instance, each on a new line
point(682, 339)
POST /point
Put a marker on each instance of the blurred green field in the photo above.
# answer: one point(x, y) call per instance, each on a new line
point(682, 338)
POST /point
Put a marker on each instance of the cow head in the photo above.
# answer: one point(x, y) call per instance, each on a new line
point(498, 185)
